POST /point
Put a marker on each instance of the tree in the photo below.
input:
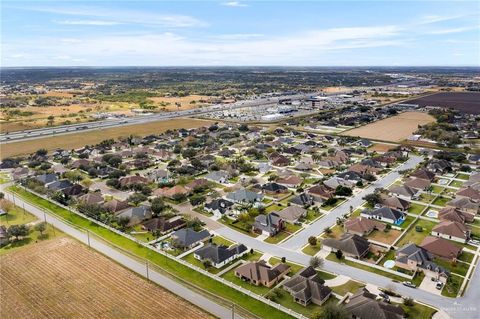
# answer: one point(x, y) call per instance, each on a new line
point(17, 231)
point(343, 191)
point(339, 254)
point(41, 227)
point(50, 120)
point(372, 199)
point(2, 195)
point(207, 263)
point(6, 205)
point(408, 302)
point(197, 199)
point(136, 198)
point(316, 262)
point(312, 240)
point(331, 311)
point(123, 222)
point(158, 206)
point(284, 259)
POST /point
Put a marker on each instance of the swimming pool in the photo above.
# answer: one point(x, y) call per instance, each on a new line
point(432, 214)
point(389, 264)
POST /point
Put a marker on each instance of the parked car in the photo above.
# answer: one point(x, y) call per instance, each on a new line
point(439, 285)
point(409, 284)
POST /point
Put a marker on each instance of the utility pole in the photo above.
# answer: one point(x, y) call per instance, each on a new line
point(146, 265)
point(88, 238)
point(233, 311)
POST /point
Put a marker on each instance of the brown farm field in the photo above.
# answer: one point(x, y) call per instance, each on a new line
point(64, 279)
point(76, 140)
point(393, 129)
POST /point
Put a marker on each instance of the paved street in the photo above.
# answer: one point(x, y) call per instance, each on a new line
point(300, 239)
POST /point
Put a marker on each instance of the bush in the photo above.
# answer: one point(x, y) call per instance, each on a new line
point(312, 240)
point(408, 302)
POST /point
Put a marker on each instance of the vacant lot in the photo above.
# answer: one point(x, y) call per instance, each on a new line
point(76, 140)
point(468, 102)
point(393, 129)
point(64, 279)
point(186, 102)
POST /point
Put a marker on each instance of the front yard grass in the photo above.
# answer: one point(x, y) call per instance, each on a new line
point(437, 189)
point(349, 286)
point(312, 250)
point(463, 176)
point(466, 257)
point(419, 311)
point(289, 230)
point(16, 216)
point(219, 240)
point(457, 184)
point(180, 271)
point(452, 286)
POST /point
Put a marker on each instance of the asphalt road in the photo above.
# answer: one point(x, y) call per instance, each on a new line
point(200, 301)
point(110, 123)
point(315, 229)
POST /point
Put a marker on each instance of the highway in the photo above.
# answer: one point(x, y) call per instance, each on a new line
point(110, 123)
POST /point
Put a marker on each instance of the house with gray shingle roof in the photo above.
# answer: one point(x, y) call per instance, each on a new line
point(244, 196)
point(221, 255)
point(187, 238)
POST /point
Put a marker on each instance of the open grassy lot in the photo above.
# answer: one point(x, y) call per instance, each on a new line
point(414, 236)
point(387, 237)
point(62, 278)
point(441, 201)
point(394, 129)
point(16, 216)
point(76, 140)
point(175, 268)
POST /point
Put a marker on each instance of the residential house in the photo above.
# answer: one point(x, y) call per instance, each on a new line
point(244, 196)
point(187, 238)
point(470, 193)
point(417, 183)
point(258, 273)
point(351, 245)
point(115, 205)
point(362, 226)
point(334, 181)
point(465, 204)
point(364, 305)
point(455, 215)
point(452, 230)
point(161, 176)
point(441, 248)
point(291, 181)
point(303, 199)
point(46, 178)
point(306, 287)
point(91, 198)
point(164, 225)
point(219, 256)
point(196, 184)
point(270, 224)
point(280, 160)
point(395, 203)
point(414, 258)
point(423, 174)
point(4, 238)
point(439, 166)
point(129, 181)
point(171, 192)
point(219, 206)
point(321, 191)
point(385, 214)
point(218, 177)
point(404, 191)
point(292, 213)
point(20, 173)
point(59, 185)
point(274, 188)
point(136, 214)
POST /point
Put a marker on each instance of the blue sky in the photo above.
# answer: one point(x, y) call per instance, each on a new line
point(209, 33)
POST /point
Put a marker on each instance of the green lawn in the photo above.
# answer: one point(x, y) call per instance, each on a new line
point(274, 208)
point(419, 311)
point(312, 250)
point(4, 178)
point(437, 189)
point(289, 230)
point(407, 222)
point(452, 286)
point(349, 286)
point(456, 184)
point(426, 198)
point(182, 272)
point(16, 216)
point(467, 257)
point(286, 300)
point(462, 176)
point(416, 209)
point(413, 236)
point(325, 275)
point(219, 240)
point(311, 216)
point(294, 268)
point(459, 268)
point(441, 201)
point(332, 257)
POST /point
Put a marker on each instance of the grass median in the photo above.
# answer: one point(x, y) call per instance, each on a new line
point(254, 306)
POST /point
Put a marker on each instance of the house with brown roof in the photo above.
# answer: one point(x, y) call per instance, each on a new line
point(364, 169)
point(171, 192)
point(129, 181)
point(306, 287)
point(455, 215)
point(351, 245)
point(291, 181)
point(258, 273)
point(465, 204)
point(91, 198)
point(164, 225)
point(280, 161)
point(395, 203)
point(115, 205)
point(416, 258)
point(452, 230)
point(441, 247)
point(404, 191)
point(423, 174)
point(469, 192)
point(362, 226)
point(321, 191)
point(364, 305)
point(417, 183)
point(292, 213)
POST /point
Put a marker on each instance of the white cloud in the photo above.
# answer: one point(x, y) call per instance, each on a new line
point(87, 22)
point(238, 36)
point(234, 4)
point(453, 30)
point(118, 16)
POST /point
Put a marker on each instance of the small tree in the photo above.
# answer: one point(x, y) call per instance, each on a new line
point(312, 240)
point(123, 222)
point(207, 263)
point(284, 259)
point(41, 227)
point(316, 262)
point(339, 254)
point(17, 231)
point(408, 302)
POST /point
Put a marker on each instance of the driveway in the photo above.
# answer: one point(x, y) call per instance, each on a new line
point(428, 285)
